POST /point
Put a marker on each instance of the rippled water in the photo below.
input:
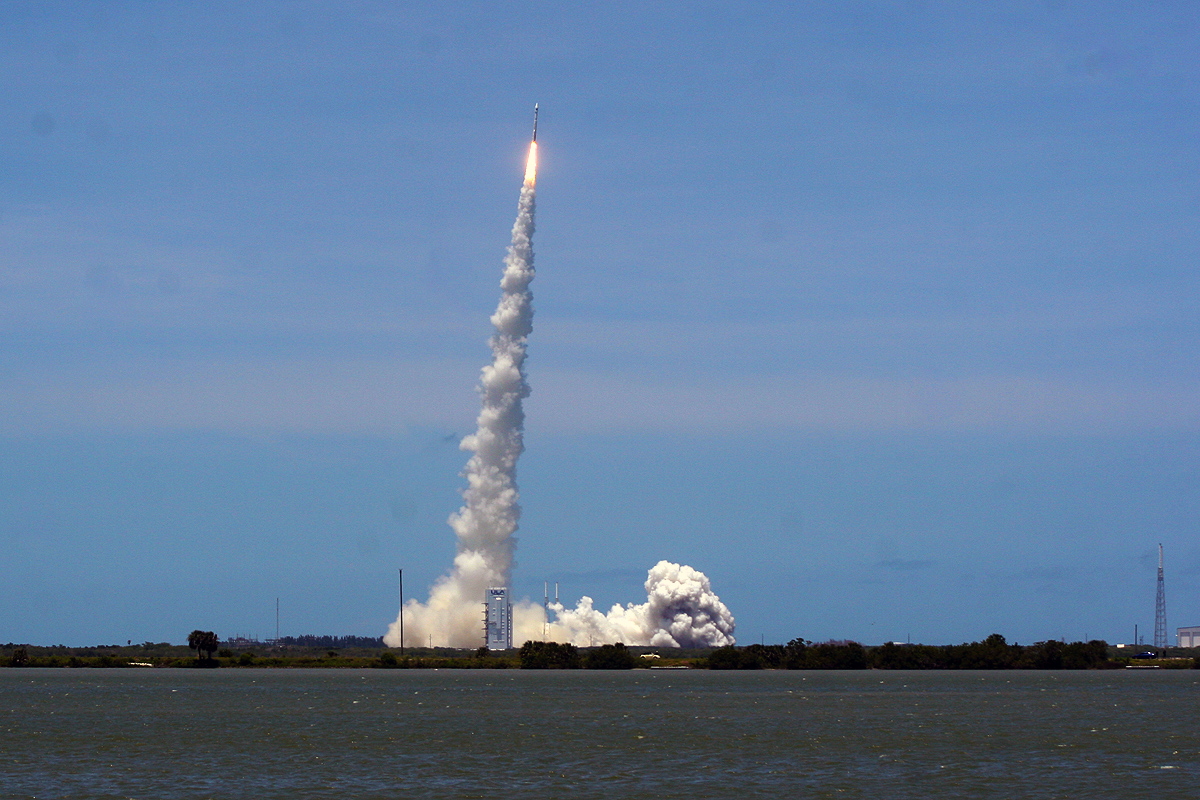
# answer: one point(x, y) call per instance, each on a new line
point(373, 734)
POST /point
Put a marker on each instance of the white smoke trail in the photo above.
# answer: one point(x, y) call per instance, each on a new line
point(486, 522)
point(681, 609)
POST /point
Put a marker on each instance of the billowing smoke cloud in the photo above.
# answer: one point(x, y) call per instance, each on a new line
point(680, 609)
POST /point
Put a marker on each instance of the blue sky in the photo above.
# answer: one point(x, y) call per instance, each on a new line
point(881, 314)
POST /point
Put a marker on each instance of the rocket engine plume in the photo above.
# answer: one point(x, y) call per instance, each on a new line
point(681, 609)
point(531, 165)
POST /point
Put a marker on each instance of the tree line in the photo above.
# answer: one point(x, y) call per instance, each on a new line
point(992, 653)
point(555, 655)
point(334, 642)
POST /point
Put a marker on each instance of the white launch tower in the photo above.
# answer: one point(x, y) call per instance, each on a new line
point(498, 619)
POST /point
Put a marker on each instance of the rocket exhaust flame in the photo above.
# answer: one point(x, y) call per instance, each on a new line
point(531, 165)
point(681, 608)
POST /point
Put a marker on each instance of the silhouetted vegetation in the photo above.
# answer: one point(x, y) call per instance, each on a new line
point(992, 653)
point(331, 642)
point(204, 643)
point(733, 657)
point(549, 655)
point(458, 660)
point(610, 656)
point(796, 654)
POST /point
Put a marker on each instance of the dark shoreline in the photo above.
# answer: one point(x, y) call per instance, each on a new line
point(991, 654)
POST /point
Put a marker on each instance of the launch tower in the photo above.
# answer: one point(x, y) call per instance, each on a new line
point(498, 619)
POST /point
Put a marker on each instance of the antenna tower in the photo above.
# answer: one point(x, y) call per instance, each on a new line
point(1160, 607)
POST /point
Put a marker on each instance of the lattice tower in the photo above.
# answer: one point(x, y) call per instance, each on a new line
point(1160, 607)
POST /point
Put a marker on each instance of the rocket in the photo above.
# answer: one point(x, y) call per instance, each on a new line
point(531, 162)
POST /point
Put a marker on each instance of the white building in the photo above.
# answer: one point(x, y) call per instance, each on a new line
point(1188, 637)
point(498, 619)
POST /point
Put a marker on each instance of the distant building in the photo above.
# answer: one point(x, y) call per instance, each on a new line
point(498, 619)
point(1188, 637)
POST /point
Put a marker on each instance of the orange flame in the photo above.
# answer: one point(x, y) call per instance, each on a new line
point(531, 165)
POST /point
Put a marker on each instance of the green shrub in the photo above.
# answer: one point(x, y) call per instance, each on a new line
point(549, 655)
point(610, 656)
point(726, 657)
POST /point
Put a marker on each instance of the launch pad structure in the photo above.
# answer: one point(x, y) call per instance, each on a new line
point(497, 619)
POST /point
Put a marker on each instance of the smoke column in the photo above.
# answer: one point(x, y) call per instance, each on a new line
point(681, 609)
point(488, 518)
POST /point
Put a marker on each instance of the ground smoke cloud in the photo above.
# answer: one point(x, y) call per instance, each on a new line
point(680, 609)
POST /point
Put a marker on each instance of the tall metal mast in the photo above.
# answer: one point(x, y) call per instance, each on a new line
point(1160, 607)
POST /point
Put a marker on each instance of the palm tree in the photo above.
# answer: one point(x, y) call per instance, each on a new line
point(203, 642)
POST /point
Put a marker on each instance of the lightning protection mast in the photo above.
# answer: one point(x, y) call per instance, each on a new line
point(1160, 607)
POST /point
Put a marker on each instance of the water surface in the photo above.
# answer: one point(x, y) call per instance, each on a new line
point(90, 733)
